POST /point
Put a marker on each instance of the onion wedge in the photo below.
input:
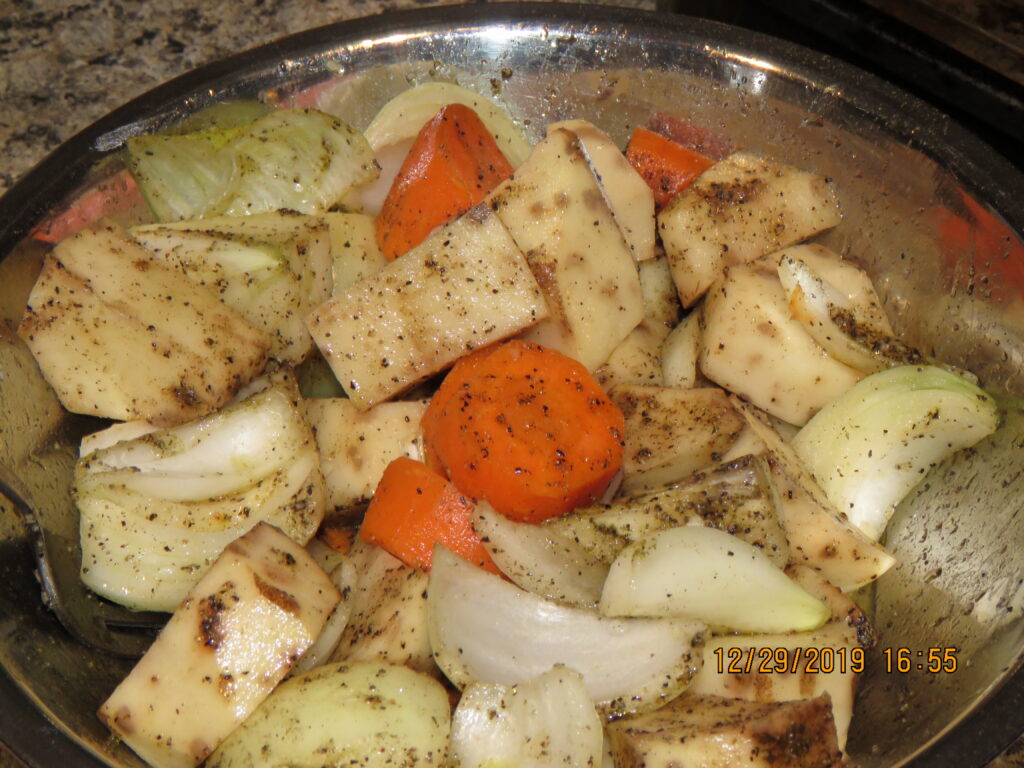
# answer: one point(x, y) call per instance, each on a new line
point(547, 721)
point(870, 446)
point(708, 575)
point(539, 560)
point(483, 629)
point(845, 331)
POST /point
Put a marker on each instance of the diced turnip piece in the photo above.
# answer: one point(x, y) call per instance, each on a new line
point(230, 642)
point(637, 360)
point(753, 346)
point(119, 335)
point(737, 211)
point(466, 286)
point(555, 211)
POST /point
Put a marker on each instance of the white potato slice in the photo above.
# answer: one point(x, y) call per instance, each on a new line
point(738, 210)
point(680, 352)
point(232, 640)
point(718, 732)
point(753, 346)
point(356, 445)
point(117, 334)
point(710, 576)
point(361, 714)
point(540, 723)
point(819, 535)
point(540, 561)
point(795, 665)
point(465, 286)
point(402, 118)
point(388, 619)
point(483, 629)
point(671, 433)
point(557, 215)
point(630, 199)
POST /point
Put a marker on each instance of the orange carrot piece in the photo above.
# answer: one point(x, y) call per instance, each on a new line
point(414, 508)
point(117, 195)
point(667, 167)
point(453, 164)
point(526, 428)
point(337, 537)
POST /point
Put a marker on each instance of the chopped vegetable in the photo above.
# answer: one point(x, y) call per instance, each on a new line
point(707, 575)
point(158, 509)
point(453, 164)
point(244, 624)
point(415, 508)
point(300, 159)
point(870, 446)
point(484, 629)
point(363, 715)
point(667, 167)
point(526, 428)
point(540, 723)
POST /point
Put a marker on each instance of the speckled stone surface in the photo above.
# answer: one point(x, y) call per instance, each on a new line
point(65, 63)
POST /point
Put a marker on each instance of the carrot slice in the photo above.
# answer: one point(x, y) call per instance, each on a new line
point(116, 195)
point(526, 428)
point(453, 164)
point(414, 508)
point(667, 167)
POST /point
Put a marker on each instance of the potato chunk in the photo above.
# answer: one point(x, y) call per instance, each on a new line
point(233, 639)
point(671, 433)
point(739, 210)
point(555, 211)
point(356, 446)
point(751, 344)
point(465, 286)
point(119, 335)
point(716, 732)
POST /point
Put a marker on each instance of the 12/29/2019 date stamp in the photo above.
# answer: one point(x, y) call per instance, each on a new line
point(826, 660)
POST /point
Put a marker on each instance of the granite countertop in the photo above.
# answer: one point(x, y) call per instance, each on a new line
point(65, 63)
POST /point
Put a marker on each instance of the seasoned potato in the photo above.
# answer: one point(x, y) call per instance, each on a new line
point(737, 211)
point(671, 433)
point(627, 194)
point(718, 732)
point(637, 360)
point(465, 286)
point(232, 640)
point(356, 445)
point(556, 213)
point(753, 346)
point(117, 334)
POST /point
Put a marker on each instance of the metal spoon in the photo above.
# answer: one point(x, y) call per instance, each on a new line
point(94, 621)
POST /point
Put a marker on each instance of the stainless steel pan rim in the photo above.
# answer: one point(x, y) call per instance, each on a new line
point(998, 717)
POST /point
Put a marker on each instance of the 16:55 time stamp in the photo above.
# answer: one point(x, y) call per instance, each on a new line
point(826, 660)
